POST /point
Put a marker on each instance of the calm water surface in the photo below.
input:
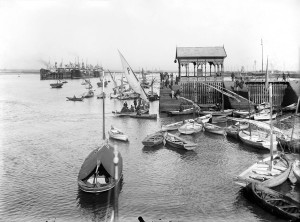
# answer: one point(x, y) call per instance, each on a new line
point(45, 139)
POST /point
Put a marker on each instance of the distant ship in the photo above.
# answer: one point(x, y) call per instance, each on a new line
point(70, 71)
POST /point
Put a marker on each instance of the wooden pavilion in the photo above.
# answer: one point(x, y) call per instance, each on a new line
point(201, 58)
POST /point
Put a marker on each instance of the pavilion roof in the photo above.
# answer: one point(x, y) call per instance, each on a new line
point(200, 52)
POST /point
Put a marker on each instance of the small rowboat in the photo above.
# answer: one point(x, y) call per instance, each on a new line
point(88, 94)
point(203, 119)
point(233, 130)
point(114, 96)
point(275, 202)
point(183, 112)
point(56, 85)
point(117, 134)
point(190, 128)
point(153, 139)
point(238, 113)
point(256, 140)
point(214, 129)
point(174, 126)
point(263, 116)
point(178, 142)
point(296, 170)
point(219, 119)
point(74, 98)
point(226, 112)
point(144, 116)
point(117, 113)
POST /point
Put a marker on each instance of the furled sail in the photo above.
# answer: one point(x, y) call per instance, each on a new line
point(132, 78)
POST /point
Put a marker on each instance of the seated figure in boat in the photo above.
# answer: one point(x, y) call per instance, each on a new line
point(132, 108)
point(218, 107)
point(181, 108)
point(139, 113)
point(125, 108)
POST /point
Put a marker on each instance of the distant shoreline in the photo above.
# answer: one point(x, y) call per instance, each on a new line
point(293, 74)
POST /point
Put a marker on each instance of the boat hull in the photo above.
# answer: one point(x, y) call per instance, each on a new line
point(275, 202)
point(227, 112)
point(183, 112)
point(96, 189)
point(259, 173)
point(117, 136)
point(153, 140)
point(97, 173)
point(56, 85)
point(214, 129)
point(256, 141)
point(177, 142)
point(263, 117)
point(144, 116)
point(190, 128)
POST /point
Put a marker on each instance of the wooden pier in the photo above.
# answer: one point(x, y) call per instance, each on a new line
point(205, 96)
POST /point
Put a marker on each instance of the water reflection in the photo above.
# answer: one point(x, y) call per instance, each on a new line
point(98, 207)
point(153, 149)
point(182, 152)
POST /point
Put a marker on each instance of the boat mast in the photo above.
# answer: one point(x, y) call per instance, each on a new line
point(271, 126)
point(262, 56)
point(103, 94)
point(249, 110)
point(152, 85)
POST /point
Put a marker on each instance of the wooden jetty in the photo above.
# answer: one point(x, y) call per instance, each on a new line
point(207, 75)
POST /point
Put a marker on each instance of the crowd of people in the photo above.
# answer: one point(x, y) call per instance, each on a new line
point(137, 106)
point(167, 79)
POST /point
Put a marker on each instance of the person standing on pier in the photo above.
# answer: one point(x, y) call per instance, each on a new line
point(172, 93)
point(283, 77)
point(134, 103)
point(232, 76)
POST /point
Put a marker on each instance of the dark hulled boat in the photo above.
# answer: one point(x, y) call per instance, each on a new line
point(153, 139)
point(74, 98)
point(98, 172)
point(275, 202)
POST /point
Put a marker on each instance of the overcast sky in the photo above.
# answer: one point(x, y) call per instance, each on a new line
point(148, 31)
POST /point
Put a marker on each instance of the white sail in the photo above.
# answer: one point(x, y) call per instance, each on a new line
point(132, 79)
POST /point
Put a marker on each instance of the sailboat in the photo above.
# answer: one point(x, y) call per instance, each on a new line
point(132, 79)
point(102, 169)
point(136, 87)
point(271, 171)
point(90, 92)
point(115, 88)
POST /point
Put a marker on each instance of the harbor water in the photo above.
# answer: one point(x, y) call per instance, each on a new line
point(44, 139)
